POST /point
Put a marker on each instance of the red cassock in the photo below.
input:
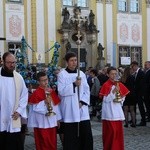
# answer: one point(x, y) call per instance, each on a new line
point(45, 138)
point(113, 138)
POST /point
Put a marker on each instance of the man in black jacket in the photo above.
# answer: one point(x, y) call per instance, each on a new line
point(147, 89)
point(139, 90)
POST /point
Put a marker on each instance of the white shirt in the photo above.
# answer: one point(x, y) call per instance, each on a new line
point(112, 110)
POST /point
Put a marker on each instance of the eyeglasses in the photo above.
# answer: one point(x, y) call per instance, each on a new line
point(10, 63)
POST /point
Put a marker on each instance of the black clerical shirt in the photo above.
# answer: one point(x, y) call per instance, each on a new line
point(6, 74)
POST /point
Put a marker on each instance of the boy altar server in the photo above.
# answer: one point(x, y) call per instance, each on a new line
point(44, 114)
point(75, 113)
point(112, 113)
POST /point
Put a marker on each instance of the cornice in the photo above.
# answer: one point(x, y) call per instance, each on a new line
point(108, 1)
point(100, 1)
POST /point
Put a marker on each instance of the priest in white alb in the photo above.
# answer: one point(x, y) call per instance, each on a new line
point(13, 102)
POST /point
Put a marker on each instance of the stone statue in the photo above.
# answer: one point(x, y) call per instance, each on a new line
point(76, 11)
point(66, 14)
point(100, 49)
point(91, 17)
point(86, 26)
point(92, 27)
point(68, 46)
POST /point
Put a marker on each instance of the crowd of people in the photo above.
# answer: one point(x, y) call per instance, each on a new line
point(111, 94)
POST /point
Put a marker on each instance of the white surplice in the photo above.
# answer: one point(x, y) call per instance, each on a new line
point(7, 102)
point(37, 118)
point(69, 97)
point(112, 110)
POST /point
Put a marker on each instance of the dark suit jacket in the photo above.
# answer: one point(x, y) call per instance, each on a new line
point(147, 83)
point(139, 83)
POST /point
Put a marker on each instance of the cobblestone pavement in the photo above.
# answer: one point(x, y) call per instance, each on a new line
point(135, 138)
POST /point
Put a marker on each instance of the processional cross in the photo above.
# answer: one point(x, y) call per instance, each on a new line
point(78, 19)
point(78, 42)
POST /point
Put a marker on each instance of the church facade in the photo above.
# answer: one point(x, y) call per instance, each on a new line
point(121, 27)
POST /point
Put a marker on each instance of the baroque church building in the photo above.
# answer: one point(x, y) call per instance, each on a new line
point(112, 32)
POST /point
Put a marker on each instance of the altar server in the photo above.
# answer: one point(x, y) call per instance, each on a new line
point(113, 93)
point(74, 106)
point(44, 114)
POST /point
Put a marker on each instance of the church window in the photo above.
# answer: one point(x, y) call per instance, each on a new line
point(81, 3)
point(122, 5)
point(130, 6)
point(134, 6)
point(133, 52)
point(68, 2)
point(15, 1)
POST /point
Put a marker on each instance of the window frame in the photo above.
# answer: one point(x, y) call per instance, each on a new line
point(15, 1)
point(137, 7)
point(134, 52)
point(127, 7)
point(75, 2)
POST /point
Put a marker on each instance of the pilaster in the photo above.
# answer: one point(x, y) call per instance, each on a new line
point(46, 29)
point(4, 20)
point(147, 30)
point(58, 6)
point(94, 45)
point(26, 24)
point(34, 31)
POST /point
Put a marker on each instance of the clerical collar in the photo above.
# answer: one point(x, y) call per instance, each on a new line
point(6, 74)
point(71, 71)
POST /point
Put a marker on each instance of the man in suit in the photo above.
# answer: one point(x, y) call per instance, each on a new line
point(147, 89)
point(139, 90)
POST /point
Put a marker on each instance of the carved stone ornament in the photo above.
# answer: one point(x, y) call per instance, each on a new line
point(147, 3)
point(108, 2)
point(100, 1)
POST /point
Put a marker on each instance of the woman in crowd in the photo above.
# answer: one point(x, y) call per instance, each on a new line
point(128, 106)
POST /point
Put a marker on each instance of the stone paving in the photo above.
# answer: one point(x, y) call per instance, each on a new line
point(135, 138)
